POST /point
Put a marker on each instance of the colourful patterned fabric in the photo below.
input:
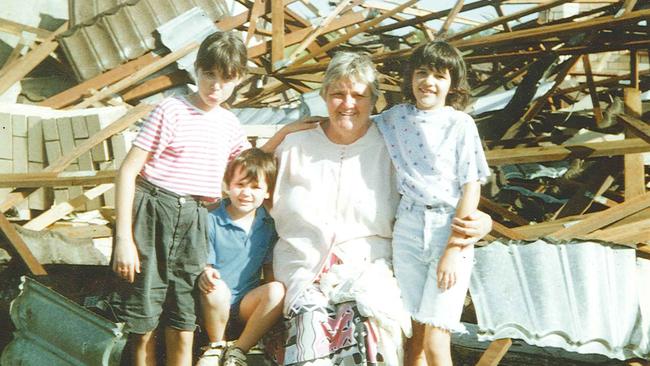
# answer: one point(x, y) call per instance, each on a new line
point(336, 332)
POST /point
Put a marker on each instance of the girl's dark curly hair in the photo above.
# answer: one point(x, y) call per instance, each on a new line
point(439, 56)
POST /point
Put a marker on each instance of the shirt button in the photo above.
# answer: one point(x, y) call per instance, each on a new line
point(181, 200)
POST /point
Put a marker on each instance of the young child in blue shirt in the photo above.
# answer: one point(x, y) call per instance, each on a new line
point(241, 235)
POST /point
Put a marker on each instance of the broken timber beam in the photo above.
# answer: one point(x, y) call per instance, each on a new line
point(554, 153)
point(18, 246)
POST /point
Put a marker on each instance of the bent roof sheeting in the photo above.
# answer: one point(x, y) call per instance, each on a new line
point(584, 297)
point(123, 32)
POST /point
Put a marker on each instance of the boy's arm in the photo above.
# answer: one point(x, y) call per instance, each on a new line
point(278, 137)
point(125, 255)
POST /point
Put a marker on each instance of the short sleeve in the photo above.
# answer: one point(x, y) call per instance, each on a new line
point(157, 132)
point(269, 251)
point(472, 164)
point(239, 144)
point(212, 241)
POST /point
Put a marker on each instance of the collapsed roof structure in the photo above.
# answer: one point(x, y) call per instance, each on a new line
point(559, 92)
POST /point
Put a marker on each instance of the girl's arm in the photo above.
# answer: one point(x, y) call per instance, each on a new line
point(448, 265)
point(125, 255)
point(278, 137)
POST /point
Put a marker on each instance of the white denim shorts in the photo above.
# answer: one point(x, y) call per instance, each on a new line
point(419, 240)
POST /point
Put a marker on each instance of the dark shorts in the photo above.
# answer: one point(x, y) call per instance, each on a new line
point(235, 323)
point(170, 233)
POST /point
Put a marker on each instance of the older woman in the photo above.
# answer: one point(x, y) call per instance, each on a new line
point(334, 208)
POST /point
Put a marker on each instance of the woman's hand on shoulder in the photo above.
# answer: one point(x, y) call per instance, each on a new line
point(306, 123)
point(471, 228)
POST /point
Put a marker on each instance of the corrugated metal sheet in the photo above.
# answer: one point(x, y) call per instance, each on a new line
point(52, 330)
point(191, 26)
point(123, 31)
point(583, 297)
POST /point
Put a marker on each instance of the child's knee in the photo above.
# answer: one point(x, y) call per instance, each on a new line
point(219, 297)
point(275, 292)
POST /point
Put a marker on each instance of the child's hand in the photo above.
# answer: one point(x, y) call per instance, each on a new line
point(208, 279)
point(448, 267)
point(126, 262)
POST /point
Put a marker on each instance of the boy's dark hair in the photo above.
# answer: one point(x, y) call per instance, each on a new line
point(439, 56)
point(225, 52)
point(255, 164)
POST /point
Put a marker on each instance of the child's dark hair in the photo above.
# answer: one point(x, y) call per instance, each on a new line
point(256, 164)
point(439, 56)
point(225, 52)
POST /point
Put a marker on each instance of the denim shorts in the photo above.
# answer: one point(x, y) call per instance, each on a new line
point(419, 240)
point(170, 234)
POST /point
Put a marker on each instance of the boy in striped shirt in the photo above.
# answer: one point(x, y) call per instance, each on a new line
point(177, 162)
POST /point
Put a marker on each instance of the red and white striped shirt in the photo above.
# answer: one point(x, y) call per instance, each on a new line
point(190, 148)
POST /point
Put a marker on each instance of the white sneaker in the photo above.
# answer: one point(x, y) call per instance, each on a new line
point(212, 354)
point(234, 357)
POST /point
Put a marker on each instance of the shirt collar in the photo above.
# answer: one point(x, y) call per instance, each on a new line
point(223, 218)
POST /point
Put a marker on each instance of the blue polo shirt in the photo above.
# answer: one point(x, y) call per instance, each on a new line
point(239, 256)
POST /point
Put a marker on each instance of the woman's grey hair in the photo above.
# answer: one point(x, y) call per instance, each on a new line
point(351, 66)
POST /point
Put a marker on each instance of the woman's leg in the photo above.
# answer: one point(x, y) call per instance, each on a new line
point(437, 346)
point(415, 346)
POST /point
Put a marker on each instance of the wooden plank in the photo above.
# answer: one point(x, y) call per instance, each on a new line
point(554, 30)
point(598, 113)
point(604, 218)
point(540, 102)
point(256, 12)
point(638, 127)
point(586, 195)
point(297, 36)
point(495, 352)
point(35, 142)
point(81, 231)
point(55, 213)
point(277, 24)
point(504, 20)
point(362, 28)
point(501, 231)
point(554, 153)
point(488, 205)
point(430, 16)
point(17, 29)
point(137, 76)
point(53, 179)
point(75, 93)
point(317, 31)
point(20, 248)
point(450, 18)
point(624, 234)
point(156, 85)
point(6, 137)
point(634, 169)
point(28, 62)
point(59, 165)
